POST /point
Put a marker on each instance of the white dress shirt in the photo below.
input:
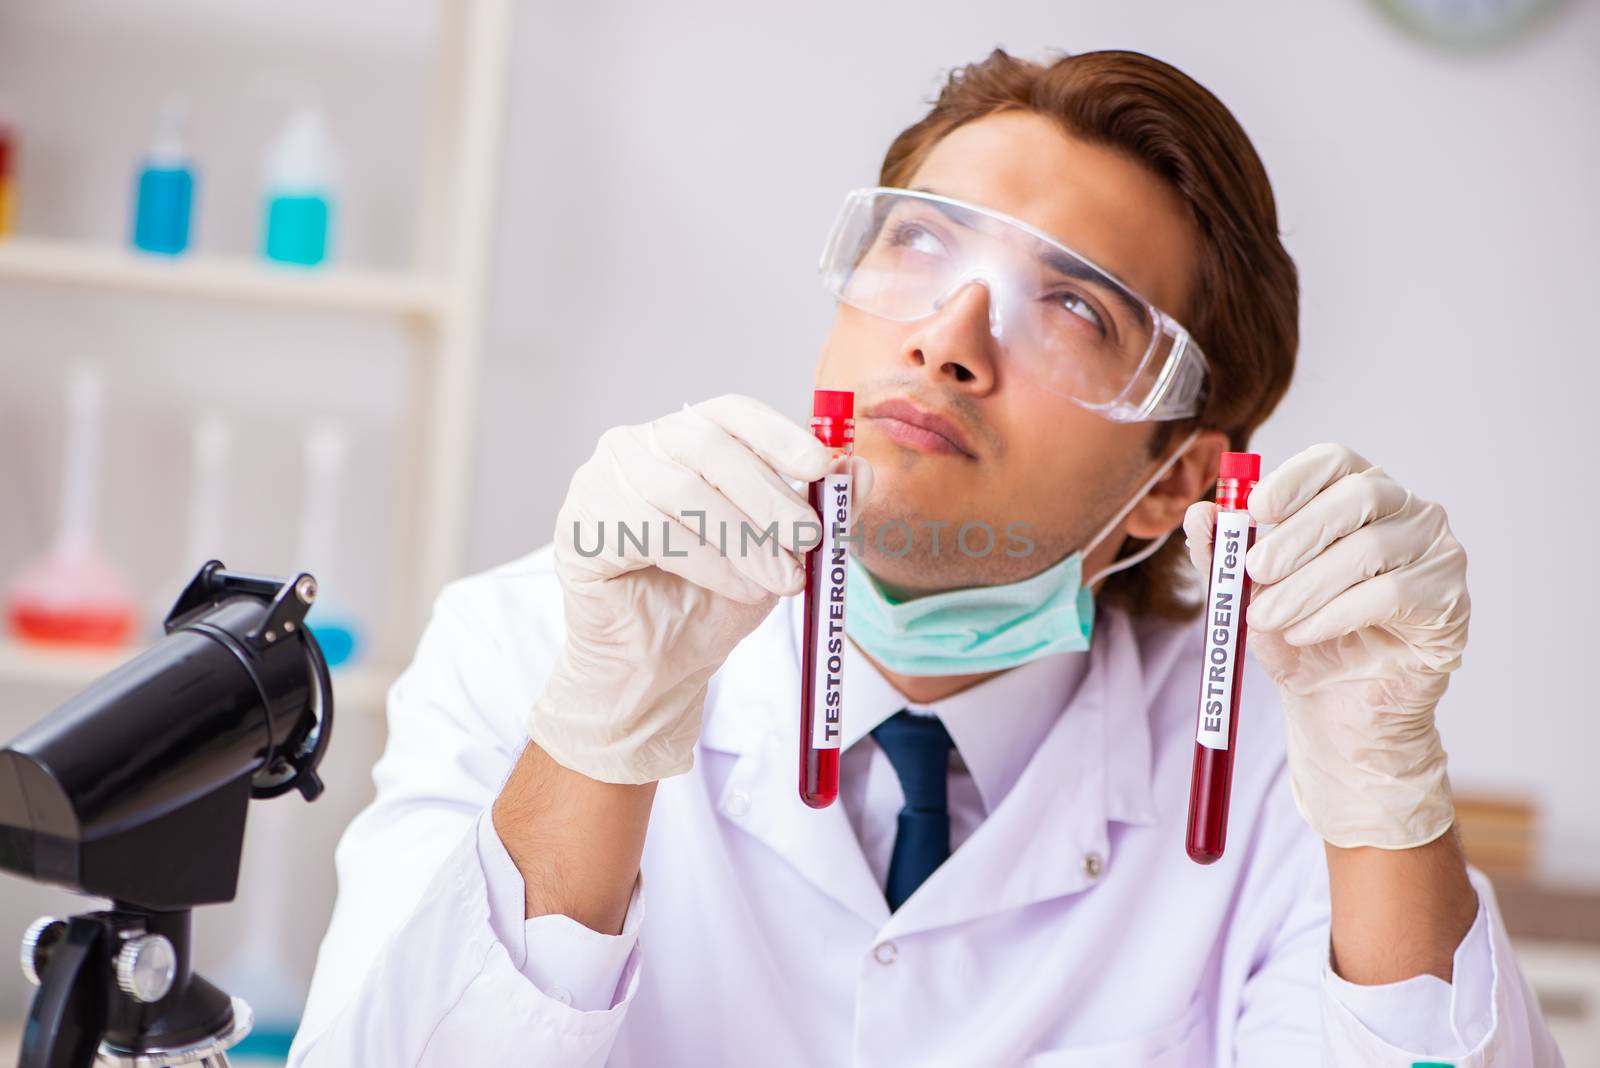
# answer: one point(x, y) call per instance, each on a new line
point(996, 726)
point(1067, 928)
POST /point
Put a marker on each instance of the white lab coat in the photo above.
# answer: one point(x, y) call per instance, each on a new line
point(1068, 931)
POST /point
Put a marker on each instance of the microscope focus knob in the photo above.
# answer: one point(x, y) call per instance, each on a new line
point(146, 967)
point(37, 941)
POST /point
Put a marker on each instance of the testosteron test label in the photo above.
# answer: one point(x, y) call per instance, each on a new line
point(1223, 616)
point(828, 580)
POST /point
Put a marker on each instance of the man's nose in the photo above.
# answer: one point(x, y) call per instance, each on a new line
point(956, 342)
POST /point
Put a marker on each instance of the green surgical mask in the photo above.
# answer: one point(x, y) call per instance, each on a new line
point(988, 628)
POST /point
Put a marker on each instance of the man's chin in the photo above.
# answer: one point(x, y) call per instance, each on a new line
point(920, 551)
point(931, 524)
point(918, 574)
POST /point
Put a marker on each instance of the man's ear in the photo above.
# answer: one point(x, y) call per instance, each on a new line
point(1196, 470)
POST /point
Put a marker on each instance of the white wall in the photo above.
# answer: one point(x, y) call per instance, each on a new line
point(669, 175)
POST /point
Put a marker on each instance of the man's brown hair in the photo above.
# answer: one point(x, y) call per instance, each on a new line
point(1245, 314)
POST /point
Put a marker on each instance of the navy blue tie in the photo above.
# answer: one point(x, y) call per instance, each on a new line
point(919, 748)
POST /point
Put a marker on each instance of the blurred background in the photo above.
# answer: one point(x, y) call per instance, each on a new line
point(400, 263)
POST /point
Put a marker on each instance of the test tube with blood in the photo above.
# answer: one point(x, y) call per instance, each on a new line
point(822, 677)
point(1227, 597)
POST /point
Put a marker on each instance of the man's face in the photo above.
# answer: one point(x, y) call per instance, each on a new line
point(1013, 454)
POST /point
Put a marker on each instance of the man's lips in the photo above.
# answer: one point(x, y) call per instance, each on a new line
point(918, 429)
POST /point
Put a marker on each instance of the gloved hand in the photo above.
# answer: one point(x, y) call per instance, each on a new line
point(652, 615)
point(1359, 614)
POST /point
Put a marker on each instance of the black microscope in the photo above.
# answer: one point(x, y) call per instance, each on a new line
point(136, 791)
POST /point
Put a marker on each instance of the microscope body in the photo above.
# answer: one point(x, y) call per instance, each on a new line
point(136, 790)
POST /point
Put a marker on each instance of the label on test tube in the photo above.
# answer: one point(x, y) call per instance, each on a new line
point(827, 689)
point(1223, 617)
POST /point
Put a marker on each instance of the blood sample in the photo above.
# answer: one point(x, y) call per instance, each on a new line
point(1217, 721)
point(822, 677)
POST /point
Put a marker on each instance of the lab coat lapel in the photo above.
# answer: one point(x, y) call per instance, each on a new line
point(756, 715)
point(1049, 837)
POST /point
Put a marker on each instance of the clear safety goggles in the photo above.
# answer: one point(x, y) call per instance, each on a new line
point(1061, 322)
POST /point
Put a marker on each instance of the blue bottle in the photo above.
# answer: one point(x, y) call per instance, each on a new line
point(298, 197)
point(164, 192)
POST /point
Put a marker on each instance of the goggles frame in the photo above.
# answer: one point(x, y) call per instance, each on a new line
point(1176, 390)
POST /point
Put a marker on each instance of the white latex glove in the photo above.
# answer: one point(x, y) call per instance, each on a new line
point(1359, 614)
point(646, 628)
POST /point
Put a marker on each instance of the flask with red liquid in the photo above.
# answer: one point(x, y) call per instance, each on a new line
point(72, 595)
point(822, 675)
point(1227, 598)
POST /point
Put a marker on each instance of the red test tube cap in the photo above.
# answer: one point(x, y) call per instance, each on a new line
point(1245, 466)
point(833, 404)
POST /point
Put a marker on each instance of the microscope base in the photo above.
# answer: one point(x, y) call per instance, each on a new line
point(208, 1053)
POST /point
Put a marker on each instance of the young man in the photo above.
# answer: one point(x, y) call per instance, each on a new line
point(1065, 302)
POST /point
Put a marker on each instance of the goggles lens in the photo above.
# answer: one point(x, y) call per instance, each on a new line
point(1063, 323)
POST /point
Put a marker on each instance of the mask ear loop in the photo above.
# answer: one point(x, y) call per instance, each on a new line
point(1149, 550)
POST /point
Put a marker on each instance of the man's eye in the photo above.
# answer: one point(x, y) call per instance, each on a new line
point(1075, 304)
point(917, 238)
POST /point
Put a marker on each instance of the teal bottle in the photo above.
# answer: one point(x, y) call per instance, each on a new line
point(297, 228)
point(297, 208)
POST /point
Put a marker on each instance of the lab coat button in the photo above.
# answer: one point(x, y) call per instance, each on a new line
point(561, 994)
point(1092, 865)
point(886, 953)
point(738, 804)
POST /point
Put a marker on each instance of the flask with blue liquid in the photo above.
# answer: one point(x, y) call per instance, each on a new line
point(327, 449)
point(164, 190)
point(299, 196)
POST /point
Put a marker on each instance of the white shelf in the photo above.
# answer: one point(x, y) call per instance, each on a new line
point(359, 688)
point(237, 278)
point(444, 292)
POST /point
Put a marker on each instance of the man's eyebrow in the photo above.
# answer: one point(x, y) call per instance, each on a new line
point(949, 211)
point(1059, 262)
point(1076, 269)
